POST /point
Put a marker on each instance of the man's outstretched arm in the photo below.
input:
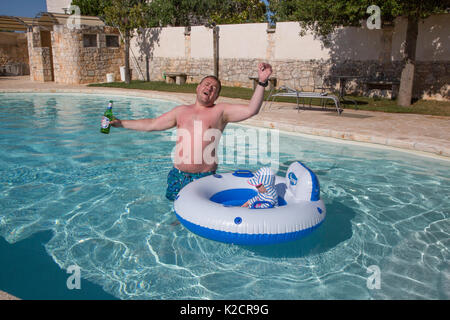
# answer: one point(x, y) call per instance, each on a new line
point(238, 112)
point(165, 121)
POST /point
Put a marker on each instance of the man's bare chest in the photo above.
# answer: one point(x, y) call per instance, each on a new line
point(206, 119)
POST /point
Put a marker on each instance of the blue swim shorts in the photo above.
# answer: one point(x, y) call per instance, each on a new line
point(177, 179)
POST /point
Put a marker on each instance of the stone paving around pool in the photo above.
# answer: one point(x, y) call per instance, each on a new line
point(429, 135)
point(6, 296)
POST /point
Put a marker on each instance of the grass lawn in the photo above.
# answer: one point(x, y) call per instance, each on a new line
point(437, 108)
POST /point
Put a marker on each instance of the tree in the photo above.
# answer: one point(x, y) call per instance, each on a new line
point(238, 11)
point(92, 7)
point(200, 12)
point(126, 15)
point(324, 16)
point(209, 13)
point(135, 14)
point(187, 12)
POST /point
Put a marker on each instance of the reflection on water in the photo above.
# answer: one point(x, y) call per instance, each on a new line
point(102, 198)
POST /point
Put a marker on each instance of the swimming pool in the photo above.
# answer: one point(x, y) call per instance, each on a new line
point(102, 197)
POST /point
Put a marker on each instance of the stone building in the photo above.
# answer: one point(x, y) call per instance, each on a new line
point(58, 6)
point(64, 49)
point(86, 54)
point(14, 60)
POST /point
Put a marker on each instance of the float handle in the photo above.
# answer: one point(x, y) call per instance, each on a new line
point(243, 173)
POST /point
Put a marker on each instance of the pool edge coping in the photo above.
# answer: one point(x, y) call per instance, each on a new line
point(330, 135)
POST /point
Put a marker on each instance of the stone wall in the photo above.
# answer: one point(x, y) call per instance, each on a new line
point(234, 72)
point(76, 64)
point(39, 57)
point(299, 60)
point(431, 82)
point(66, 55)
point(14, 58)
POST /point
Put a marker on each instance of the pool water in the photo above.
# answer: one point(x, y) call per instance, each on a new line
point(102, 199)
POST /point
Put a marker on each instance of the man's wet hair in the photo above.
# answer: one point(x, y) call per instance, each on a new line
point(215, 78)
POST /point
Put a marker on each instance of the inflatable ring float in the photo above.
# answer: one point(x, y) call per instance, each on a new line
point(211, 208)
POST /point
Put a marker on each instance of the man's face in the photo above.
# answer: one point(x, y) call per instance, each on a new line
point(208, 91)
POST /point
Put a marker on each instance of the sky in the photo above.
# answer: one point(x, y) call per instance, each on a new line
point(22, 8)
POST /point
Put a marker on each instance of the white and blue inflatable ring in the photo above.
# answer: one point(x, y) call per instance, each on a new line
point(210, 207)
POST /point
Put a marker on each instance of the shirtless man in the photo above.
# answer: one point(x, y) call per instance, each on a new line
point(194, 122)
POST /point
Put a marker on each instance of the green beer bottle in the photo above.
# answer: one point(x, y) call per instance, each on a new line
point(107, 118)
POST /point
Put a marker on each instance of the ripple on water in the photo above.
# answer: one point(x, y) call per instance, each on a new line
point(103, 198)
